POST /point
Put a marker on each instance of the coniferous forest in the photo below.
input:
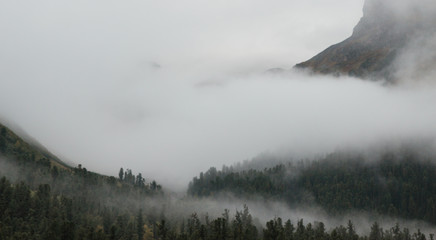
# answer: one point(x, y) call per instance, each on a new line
point(43, 198)
point(399, 185)
point(150, 114)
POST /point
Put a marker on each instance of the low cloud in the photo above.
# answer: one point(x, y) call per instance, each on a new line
point(169, 128)
point(82, 78)
point(263, 211)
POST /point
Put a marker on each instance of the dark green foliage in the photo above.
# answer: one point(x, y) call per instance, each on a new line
point(351, 232)
point(399, 184)
point(2, 139)
point(274, 230)
point(243, 227)
point(46, 215)
point(140, 225)
point(2, 131)
point(121, 174)
point(245, 183)
point(49, 200)
point(22, 152)
point(376, 232)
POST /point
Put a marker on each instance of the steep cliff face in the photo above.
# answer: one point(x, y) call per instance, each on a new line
point(383, 34)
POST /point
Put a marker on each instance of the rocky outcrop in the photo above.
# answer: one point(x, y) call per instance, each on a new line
point(386, 30)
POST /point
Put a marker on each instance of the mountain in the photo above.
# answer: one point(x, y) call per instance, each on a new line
point(42, 198)
point(390, 37)
point(396, 182)
point(25, 148)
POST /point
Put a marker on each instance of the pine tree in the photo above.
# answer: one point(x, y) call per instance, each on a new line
point(140, 225)
point(2, 139)
point(351, 232)
point(121, 174)
point(376, 232)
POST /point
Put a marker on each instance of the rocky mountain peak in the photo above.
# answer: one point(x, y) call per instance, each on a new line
point(379, 41)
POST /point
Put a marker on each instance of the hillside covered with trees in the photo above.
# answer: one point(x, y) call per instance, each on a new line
point(399, 184)
point(44, 198)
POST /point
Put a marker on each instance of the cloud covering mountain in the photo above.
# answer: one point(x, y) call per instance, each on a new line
point(394, 40)
point(82, 78)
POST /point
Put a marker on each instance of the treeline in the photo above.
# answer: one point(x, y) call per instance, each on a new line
point(24, 162)
point(22, 152)
point(396, 184)
point(41, 214)
point(137, 181)
point(27, 213)
point(49, 200)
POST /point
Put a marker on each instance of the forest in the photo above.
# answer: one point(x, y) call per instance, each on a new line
point(43, 198)
point(396, 184)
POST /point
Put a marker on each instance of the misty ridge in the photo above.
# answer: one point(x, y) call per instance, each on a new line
point(108, 196)
point(171, 94)
point(183, 112)
point(392, 41)
point(167, 212)
point(417, 57)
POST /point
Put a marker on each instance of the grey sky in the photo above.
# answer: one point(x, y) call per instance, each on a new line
point(171, 88)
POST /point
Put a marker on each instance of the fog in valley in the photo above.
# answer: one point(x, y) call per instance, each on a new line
point(170, 89)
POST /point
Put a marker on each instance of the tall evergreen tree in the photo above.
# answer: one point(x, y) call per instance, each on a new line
point(376, 232)
point(121, 174)
point(140, 225)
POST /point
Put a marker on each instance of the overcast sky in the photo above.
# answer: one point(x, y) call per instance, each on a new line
point(171, 88)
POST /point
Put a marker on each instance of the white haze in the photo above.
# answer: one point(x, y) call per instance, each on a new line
point(263, 211)
point(171, 88)
point(175, 208)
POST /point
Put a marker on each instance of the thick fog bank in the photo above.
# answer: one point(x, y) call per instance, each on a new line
point(175, 208)
point(170, 130)
point(169, 93)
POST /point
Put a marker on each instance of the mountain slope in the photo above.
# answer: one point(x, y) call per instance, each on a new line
point(47, 202)
point(385, 32)
point(37, 165)
point(397, 183)
point(13, 146)
point(43, 198)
